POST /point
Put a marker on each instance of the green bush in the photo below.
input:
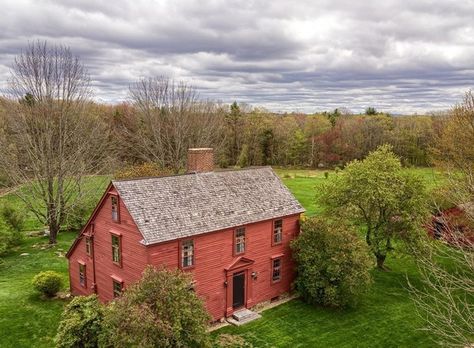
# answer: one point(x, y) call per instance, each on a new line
point(81, 323)
point(48, 283)
point(333, 264)
point(13, 217)
point(160, 310)
point(8, 237)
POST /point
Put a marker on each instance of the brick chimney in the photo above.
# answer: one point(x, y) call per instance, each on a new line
point(200, 160)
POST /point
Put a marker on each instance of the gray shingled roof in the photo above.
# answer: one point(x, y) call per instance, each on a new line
point(168, 208)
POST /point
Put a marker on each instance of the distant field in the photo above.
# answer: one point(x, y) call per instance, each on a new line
point(385, 318)
point(304, 183)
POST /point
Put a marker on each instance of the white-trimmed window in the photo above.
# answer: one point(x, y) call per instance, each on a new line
point(240, 240)
point(116, 249)
point(82, 274)
point(277, 231)
point(117, 287)
point(115, 208)
point(276, 270)
point(89, 246)
point(187, 253)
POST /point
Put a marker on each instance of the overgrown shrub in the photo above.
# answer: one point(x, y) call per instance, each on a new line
point(147, 169)
point(5, 237)
point(48, 283)
point(333, 264)
point(13, 217)
point(161, 310)
point(8, 237)
point(81, 323)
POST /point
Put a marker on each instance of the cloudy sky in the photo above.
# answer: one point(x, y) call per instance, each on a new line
point(398, 56)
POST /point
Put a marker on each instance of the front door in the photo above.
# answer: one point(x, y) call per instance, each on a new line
point(238, 290)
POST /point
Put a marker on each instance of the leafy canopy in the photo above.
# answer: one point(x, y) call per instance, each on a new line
point(81, 323)
point(380, 196)
point(161, 310)
point(333, 263)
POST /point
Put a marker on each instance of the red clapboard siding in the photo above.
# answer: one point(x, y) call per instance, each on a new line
point(213, 254)
point(134, 254)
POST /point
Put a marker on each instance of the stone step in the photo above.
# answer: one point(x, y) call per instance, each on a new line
point(243, 316)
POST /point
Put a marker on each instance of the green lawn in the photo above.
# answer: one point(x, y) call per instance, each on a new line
point(27, 320)
point(385, 317)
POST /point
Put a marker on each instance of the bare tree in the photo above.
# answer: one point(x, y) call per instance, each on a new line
point(50, 141)
point(171, 118)
point(446, 298)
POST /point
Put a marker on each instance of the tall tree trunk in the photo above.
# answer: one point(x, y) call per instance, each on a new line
point(53, 231)
point(380, 261)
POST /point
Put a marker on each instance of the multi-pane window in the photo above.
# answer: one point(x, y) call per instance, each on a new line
point(115, 212)
point(82, 274)
point(117, 287)
point(89, 246)
point(116, 252)
point(276, 270)
point(240, 240)
point(277, 231)
point(187, 253)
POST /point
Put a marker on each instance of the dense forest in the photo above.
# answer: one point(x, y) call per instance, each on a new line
point(245, 136)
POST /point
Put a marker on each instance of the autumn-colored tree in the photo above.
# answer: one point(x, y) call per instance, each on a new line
point(143, 170)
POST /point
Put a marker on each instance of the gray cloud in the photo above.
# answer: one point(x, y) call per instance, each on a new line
point(286, 56)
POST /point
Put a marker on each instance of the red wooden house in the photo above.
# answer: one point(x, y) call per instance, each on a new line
point(230, 229)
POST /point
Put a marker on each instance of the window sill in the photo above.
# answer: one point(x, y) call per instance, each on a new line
point(188, 268)
point(118, 264)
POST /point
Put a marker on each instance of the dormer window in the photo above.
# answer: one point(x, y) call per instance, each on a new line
point(277, 232)
point(240, 240)
point(115, 209)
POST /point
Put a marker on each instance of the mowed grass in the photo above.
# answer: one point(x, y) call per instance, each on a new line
point(27, 319)
point(385, 317)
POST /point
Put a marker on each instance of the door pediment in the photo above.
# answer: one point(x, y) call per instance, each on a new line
point(240, 262)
